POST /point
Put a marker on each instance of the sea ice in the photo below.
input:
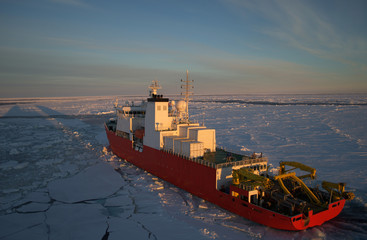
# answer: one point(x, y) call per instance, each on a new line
point(38, 196)
point(14, 151)
point(121, 228)
point(166, 227)
point(33, 207)
point(8, 165)
point(76, 221)
point(23, 226)
point(57, 138)
point(118, 201)
point(95, 182)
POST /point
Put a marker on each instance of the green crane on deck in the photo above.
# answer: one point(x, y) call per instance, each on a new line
point(246, 176)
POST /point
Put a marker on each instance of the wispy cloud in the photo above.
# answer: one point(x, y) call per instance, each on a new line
point(238, 70)
point(77, 3)
point(266, 72)
point(122, 46)
point(306, 28)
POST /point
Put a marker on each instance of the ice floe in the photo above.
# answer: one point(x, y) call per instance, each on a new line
point(33, 207)
point(23, 226)
point(76, 221)
point(95, 182)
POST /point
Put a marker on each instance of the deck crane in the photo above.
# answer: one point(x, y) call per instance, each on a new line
point(247, 176)
point(286, 174)
point(298, 165)
point(337, 190)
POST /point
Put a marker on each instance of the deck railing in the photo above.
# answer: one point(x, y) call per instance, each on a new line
point(242, 162)
point(247, 161)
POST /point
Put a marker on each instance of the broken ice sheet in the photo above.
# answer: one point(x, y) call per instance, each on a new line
point(121, 228)
point(23, 226)
point(95, 182)
point(76, 221)
point(167, 227)
point(118, 201)
point(33, 207)
point(329, 138)
point(38, 196)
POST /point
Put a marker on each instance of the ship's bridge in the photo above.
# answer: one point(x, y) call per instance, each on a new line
point(131, 111)
point(130, 118)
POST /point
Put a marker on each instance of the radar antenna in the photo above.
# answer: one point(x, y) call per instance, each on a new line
point(186, 91)
point(154, 87)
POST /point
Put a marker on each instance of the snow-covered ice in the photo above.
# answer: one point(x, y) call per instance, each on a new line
point(58, 179)
point(76, 221)
point(99, 181)
point(23, 226)
point(33, 207)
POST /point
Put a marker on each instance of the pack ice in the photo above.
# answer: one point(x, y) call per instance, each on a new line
point(58, 179)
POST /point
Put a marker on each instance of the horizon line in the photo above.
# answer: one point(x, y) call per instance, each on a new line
point(178, 94)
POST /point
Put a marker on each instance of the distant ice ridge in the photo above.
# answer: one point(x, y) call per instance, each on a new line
point(301, 99)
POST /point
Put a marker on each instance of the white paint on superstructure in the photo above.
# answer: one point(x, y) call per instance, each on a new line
point(163, 127)
point(204, 135)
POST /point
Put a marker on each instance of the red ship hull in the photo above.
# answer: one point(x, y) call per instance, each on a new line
point(200, 180)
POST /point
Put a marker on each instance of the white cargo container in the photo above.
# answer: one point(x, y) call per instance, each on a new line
point(182, 129)
point(169, 143)
point(188, 130)
point(192, 148)
point(206, 136)
point(177, 144)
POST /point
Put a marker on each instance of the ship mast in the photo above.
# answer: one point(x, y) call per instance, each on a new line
point(154, 87)
point(186, 86)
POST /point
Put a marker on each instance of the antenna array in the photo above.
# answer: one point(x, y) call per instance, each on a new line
point(187, 92)
point(154, 87)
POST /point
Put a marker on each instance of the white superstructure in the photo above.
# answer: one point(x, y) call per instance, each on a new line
point(162, 124)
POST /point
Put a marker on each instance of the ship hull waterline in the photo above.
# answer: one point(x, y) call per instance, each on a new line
point(188, 175)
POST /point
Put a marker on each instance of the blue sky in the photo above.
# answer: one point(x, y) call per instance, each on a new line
point(80, 47)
